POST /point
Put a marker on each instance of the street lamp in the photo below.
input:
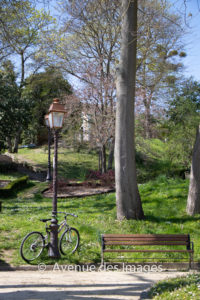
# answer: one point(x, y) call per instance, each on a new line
point(55, 118)
point(49, 148)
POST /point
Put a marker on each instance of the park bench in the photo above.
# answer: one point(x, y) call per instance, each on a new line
point(111, 243)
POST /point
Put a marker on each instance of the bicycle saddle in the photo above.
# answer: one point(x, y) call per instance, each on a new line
point(45, 220)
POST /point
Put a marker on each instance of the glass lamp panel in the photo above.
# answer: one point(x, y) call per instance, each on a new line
point(47, 121)
point(58, 119)
point(51, 120)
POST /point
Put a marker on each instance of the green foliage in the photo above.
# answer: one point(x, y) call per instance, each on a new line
point(41, 88)
point(14, 110)
point(183, 118)
point(21, 27)
point(185, 287)
point(13, 186)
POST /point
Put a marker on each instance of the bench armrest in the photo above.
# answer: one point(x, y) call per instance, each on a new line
point(102, 243)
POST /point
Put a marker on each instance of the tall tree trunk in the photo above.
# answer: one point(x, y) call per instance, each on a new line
point(9, 142)
point(193, 201)
point(111, 154)
point(22, 69)
point(147, 120)
point(100, 161)
point(16, 141)
point(103, 153)
point(127, 195)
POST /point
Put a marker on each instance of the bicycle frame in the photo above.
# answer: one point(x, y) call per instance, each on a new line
point(48, 230)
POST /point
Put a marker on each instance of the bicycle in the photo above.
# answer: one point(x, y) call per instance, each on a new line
point(34, 242)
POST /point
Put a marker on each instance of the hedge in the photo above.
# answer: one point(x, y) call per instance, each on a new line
point(14, 185)
point(6, 167)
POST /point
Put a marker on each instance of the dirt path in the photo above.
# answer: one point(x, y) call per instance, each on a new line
point(65, 285)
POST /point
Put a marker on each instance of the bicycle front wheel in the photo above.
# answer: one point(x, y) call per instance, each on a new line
point(69, 241)
point(32, 246)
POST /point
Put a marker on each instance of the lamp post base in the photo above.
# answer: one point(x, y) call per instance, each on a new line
point(53, 246)
point(48, 178)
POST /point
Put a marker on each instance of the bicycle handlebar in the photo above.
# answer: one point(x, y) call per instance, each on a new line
point(67, 214)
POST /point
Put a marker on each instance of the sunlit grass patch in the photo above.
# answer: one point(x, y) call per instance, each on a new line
point(187, 288)
point(164, 203)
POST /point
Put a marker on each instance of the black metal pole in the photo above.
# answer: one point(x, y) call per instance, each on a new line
point(49, 156)
point(53, 247)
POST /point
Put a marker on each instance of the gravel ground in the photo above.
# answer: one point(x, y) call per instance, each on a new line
point(64, 285)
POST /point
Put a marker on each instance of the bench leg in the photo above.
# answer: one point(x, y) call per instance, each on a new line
point(102, 257)
point(191, 260)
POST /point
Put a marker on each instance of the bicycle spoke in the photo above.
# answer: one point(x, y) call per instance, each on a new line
point(32, 246)
point(69, 241)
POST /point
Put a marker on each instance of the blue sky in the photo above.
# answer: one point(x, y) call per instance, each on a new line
point(192, 38)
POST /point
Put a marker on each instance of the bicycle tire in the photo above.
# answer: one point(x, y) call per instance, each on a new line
point(66, 244)
point(32, 246)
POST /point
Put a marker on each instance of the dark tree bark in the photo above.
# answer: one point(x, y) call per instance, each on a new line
point(9, 143)
point(17, 140)
point(127, 195)
point(148, 121)
point(111, 155)
point(193, 201)
point(102, 159)
point(103, 152)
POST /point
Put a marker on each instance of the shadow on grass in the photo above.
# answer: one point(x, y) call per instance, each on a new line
point(76, 170)
point(155, 219)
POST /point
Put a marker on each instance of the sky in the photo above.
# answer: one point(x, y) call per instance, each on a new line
point(191, 12)
point(192, 38)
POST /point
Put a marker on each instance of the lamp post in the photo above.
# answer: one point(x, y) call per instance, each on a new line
point(49, 148)
point(55, 118)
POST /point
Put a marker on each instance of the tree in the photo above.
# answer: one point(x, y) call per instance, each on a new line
point(14, 109)
point(158, 59)
point(98, 100)
point(193, 201)
point(85, 48)
point(127, 195)
point(41, 88)
point(182, 120)
point(21, 29)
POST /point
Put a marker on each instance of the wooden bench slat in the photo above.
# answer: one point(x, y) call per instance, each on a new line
point(144, 235)
point(144, 239)
point(148, 243)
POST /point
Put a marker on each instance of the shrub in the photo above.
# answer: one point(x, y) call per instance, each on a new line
point(107, 178)
point(7, 167)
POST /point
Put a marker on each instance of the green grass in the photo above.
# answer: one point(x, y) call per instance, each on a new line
point(152, 160)
point(164, 202)
point(70, 164)
point(186, 288)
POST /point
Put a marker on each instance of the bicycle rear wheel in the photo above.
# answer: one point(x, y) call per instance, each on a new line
point(32, 246)
point(69, 241)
